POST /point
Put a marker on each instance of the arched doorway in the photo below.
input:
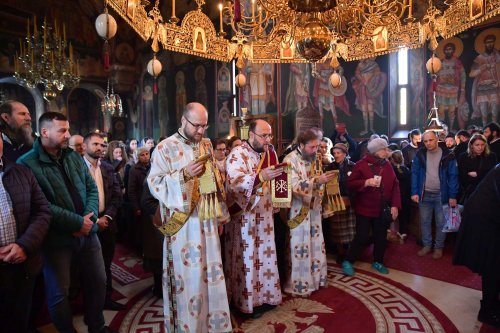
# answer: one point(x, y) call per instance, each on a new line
point(84, 109)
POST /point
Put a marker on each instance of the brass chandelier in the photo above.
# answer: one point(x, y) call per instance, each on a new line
point(46, 58)
point(280, 31)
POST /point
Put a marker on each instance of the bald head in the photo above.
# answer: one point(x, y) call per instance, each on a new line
point(194, 121)
point(193, 107)
point(76, 143)
point(430, 140)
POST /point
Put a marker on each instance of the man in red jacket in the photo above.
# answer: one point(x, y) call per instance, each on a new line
point(376, 186)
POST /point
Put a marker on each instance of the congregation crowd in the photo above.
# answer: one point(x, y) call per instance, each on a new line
point(201, 214)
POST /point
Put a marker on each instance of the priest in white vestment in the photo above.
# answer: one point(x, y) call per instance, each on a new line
point(306, 254)
point(194, 288)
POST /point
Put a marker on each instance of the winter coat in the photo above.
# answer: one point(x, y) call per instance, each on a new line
point(65, 221)
point(31, 212)
point(448, 175)
point(480, 164)
point(368, 198)
point(137, 175)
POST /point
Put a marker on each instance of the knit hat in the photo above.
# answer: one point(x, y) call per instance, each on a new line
point(376, 144)
point(341, 146)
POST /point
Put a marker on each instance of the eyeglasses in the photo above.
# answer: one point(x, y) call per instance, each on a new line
point(264, 136)
point(197, 126)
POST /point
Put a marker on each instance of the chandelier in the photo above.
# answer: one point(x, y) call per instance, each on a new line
point(43, 61)
point(111, 104)
point(294, 31)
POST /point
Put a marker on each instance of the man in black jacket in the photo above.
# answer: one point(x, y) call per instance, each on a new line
point(24, 221)
point(110, 198)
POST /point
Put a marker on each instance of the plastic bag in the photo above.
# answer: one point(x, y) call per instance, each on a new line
point(452, 218)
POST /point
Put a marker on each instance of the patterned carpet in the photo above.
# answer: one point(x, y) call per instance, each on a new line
point(383, 305)
point(404, 257)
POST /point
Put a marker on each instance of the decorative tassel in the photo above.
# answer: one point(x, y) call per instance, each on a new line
point(201, 209)
point(207, 208)
point(342, 204)
point(218, 209)
point(210, 207)
point(237, 11)
point(106, 56)
point(155, 87)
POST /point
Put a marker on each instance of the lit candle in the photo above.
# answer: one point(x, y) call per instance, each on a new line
point(21, 47)
point(253, 10)
point(410, 8)
point(220, 17)
point(173, 8)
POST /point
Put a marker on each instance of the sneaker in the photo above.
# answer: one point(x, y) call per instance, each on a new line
point(438, 253)
point(347, 268)
point(424, 251)
point(380, 268)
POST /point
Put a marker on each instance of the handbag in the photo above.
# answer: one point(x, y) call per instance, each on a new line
point(385, 209)
point(386, 215)
point(452, 218)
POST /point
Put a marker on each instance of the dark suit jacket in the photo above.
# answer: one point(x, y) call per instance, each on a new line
point(112, 193)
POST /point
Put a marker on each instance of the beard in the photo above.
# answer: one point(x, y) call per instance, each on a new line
point(193, 136)
point(95, 155)
point(259, 148)
point(24, 135)
point(309, 157)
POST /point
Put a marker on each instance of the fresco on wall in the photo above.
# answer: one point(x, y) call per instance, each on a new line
point(358, 102)
point(180, 95)
point(485, 71)
point(369, 82)
point(259, 94)
point(467, 90)
point(417, 96)
point(163, 108)
point(224, 99)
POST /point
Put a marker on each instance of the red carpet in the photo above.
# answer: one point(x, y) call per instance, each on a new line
point(127, 266)
point(382, 304)
point(403, 257)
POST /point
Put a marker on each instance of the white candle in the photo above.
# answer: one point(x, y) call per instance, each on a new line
point(220, 17)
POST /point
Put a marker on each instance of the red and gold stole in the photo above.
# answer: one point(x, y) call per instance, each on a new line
point(281, 190)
